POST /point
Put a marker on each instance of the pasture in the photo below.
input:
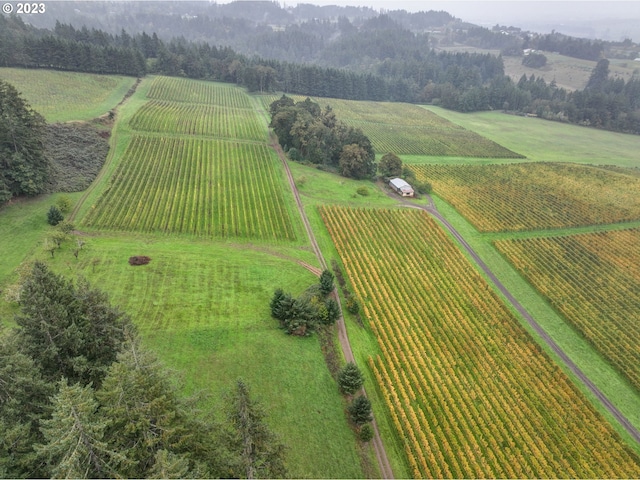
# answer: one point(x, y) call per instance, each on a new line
point(469, 391)
point(594, 281)
point(546, 141)
point(529, 196)
point(65, 96)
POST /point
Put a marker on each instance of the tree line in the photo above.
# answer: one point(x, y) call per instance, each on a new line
point(309, 133)
point(410, 72)
point(80, 397)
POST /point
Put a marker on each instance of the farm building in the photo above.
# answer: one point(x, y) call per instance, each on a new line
point(402, 187)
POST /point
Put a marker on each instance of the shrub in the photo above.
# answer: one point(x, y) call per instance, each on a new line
point(66, 227)
point(64, 203)
point(366, 433)
point(353, 306)
point(54, 216)
point(360, 410)
point(363, 191)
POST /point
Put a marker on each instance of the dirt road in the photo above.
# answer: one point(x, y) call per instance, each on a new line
point(381, 454)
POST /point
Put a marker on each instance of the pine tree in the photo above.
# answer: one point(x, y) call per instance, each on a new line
point(23, 165)
point(54, 216)
point(69, 331)
point(145, 415)
point(260, 453)
point(24, 401)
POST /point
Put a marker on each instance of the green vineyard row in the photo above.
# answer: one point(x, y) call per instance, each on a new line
point(192, 91)
point(195, 186)
point(196, 119)
point(470, 393)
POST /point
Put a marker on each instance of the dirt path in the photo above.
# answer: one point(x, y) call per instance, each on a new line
point(381, 453)
point(626, 424)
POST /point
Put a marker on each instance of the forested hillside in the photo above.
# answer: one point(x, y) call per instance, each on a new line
point(352, 54)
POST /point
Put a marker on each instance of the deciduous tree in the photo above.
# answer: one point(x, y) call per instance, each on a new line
point(390, 165)
point(355, 162)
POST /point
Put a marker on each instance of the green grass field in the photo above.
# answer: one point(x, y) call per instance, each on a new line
point(66, 96)
point(205, 308)
point(543, 140)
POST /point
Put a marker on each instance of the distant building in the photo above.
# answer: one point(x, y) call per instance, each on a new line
point(401, 187)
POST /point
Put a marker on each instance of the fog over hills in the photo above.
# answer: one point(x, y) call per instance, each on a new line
point(611, 20)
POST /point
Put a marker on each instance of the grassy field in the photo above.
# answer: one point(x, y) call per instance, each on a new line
point(65, 96)
point(204, 307)
point(543, 140)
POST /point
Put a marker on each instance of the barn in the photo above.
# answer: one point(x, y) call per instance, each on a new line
point(401, 187)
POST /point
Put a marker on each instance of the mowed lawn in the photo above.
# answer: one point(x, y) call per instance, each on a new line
point(66, 96)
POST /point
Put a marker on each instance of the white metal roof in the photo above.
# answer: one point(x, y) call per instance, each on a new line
point(399, 183)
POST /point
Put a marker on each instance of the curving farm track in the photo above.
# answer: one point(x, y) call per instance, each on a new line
point(381, 454)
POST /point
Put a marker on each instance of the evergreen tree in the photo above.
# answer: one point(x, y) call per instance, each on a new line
point(54, 216)
point(260, 453)
point(144, 416)
point(23, 165)
point(326, 282)
point(75, 446)
point(69, 331)
point(333, 310)
point(350, 379)
point(169, 465)
point(24, 402)
point(360, 410)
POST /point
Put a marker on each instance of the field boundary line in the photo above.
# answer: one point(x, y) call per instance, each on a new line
point(113, 142)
